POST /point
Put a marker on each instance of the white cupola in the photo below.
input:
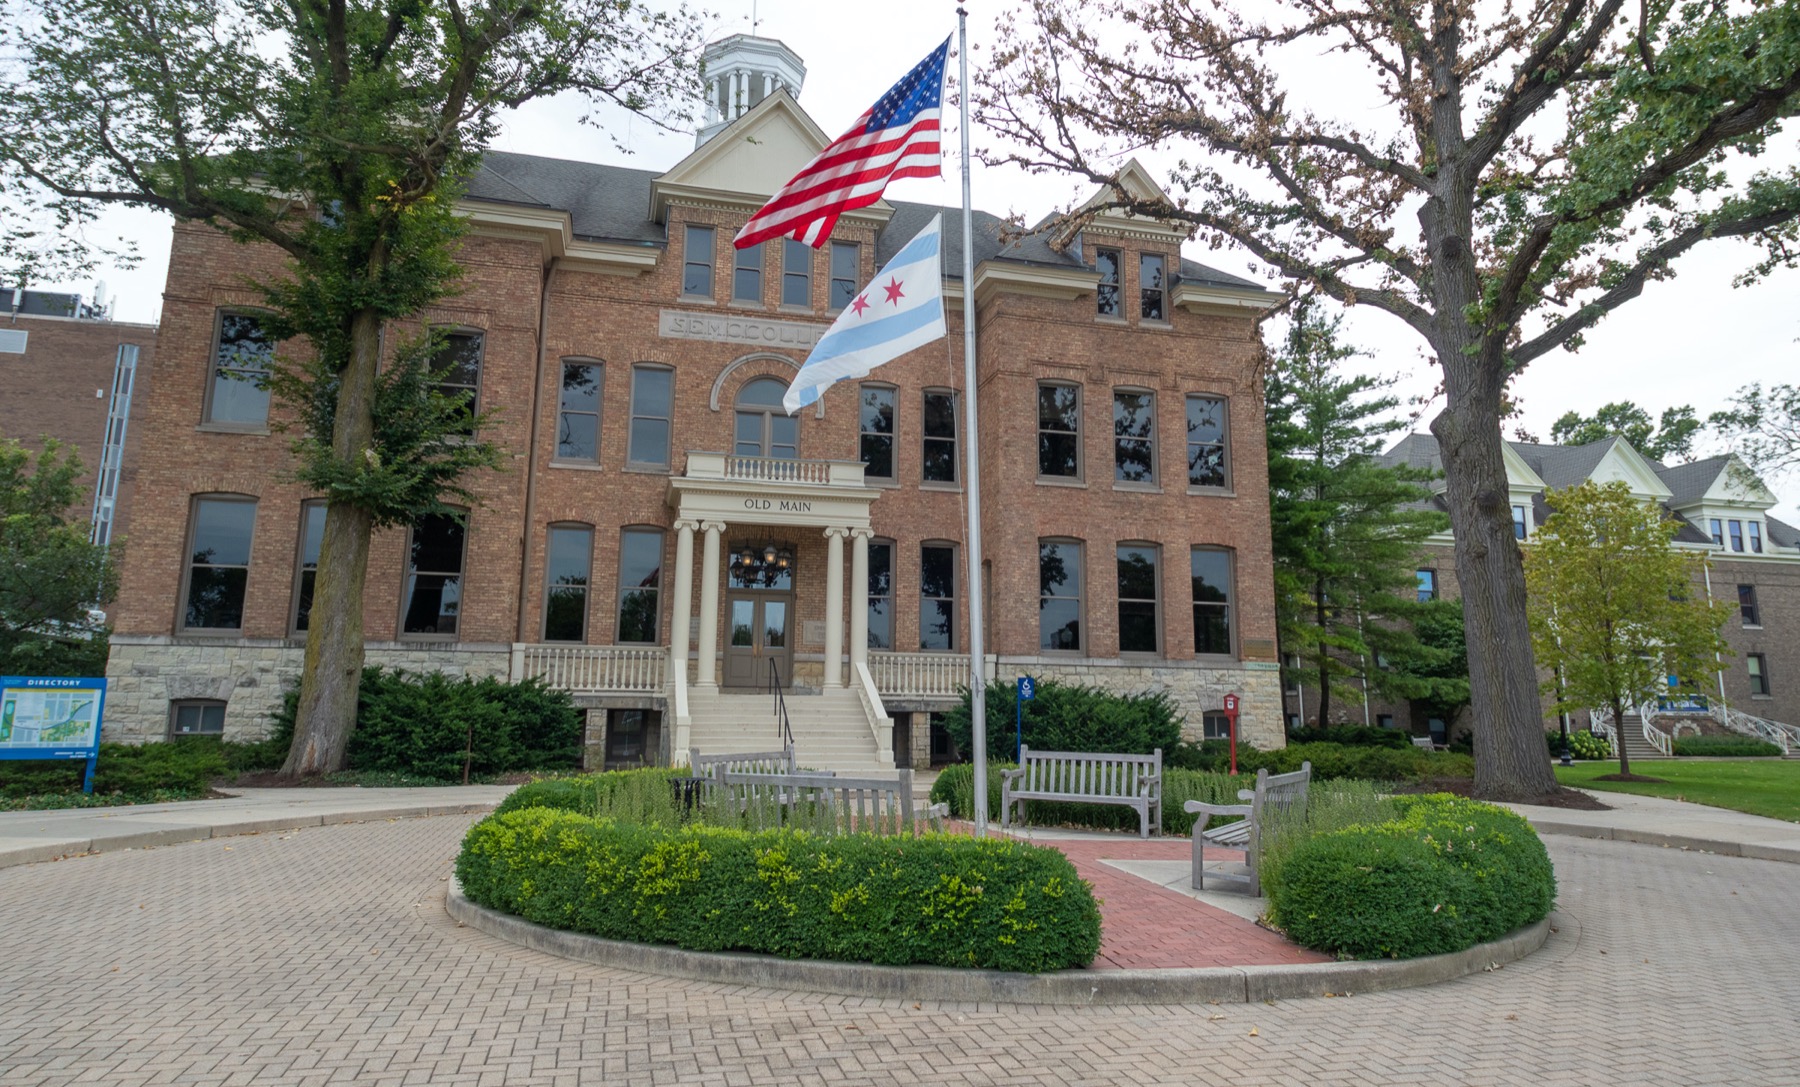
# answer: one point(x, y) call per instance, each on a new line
point(741, 71)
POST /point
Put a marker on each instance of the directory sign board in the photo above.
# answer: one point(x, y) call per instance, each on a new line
point(52, 717)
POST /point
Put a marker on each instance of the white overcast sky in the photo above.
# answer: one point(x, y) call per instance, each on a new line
point(1691, 340)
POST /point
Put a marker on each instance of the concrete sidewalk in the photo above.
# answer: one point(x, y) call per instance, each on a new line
point(1656, 821)
point(27, 837)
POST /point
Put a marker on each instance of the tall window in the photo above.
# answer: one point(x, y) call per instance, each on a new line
point(746, 276)
point(640, 578)
point(846, 258)
point(1206, 442)
point(456, 370)
point(1747, 606)
point(940, 437)
point(312, 537)
point(578, 413)
point(1059, 431)
point(937, 597)
point(1134, 436)
point(1151, 287)
point(1106, 295)
point(1756, 537)
point(652, 401)
point(796, 273)
point(1518, 513)
point(876, 429)
point(1427, 585)
point(1718, 532)
point(434, 576)
point(1059, 596)
point(1211, 570)
point(764, 428)
point(568, 559)
point(1140, 627)
point(236, 395)
point(1737, 534)
point(1759, 673)
point(218, 563)
point(881, 594)
point(697, 262)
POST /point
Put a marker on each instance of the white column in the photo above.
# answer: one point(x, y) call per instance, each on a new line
point(834, 606)
point(709, 605)
point(859, 597)
point(681, 613)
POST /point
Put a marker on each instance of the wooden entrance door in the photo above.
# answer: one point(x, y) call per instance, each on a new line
point(758, 629)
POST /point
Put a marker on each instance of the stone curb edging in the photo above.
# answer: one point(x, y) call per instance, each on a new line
point(1753, 850)
point(162, 836)
point(1227, 984)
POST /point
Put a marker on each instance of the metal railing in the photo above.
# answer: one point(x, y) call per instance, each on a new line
point(1786, 737)
point(631, 668)
point(783, 728)
point(919, 675)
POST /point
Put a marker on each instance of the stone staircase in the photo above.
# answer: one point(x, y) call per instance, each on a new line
point(1637, 746)
point(831, 730)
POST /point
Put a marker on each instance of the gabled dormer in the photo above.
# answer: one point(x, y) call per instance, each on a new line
point(1725, 500)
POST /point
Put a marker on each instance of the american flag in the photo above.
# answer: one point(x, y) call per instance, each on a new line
point(896, 137)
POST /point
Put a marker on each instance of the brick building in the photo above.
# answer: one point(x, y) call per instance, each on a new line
point(68, 372)
point(1723, 512)
point(664, 541)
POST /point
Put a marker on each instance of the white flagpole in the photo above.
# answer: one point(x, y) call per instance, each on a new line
point(972, 455)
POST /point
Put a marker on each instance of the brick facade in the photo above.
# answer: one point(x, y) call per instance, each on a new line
point(595, 313)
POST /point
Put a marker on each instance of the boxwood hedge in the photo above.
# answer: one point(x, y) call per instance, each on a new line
point(1726, 747)
point(1447, 874)
point(938, 900)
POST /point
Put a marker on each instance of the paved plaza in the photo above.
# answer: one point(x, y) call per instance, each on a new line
point(324, 956)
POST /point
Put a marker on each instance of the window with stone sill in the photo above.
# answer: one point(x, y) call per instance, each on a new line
point(196, 717)
point(218, 567)
point(1059, 596)
point(312, 538)
point(432, 606)
point(237, 394)
point(578, 411)
point(568, 567)
point(1059, 430)
point(697, 262)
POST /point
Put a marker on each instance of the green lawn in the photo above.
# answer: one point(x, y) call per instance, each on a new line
point(1768, 787)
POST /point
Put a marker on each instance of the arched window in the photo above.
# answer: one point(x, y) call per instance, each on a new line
point(764, 429)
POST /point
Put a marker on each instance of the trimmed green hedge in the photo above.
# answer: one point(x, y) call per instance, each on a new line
point(1725, 747)
point(1447, 874)
point(937, 900)
point(1351, 736)
point(630, 796)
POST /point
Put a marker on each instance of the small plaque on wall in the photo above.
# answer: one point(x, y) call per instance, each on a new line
point(814, 631)
point(1258, 649)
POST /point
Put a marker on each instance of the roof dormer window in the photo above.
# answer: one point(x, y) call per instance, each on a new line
point(1756, 537)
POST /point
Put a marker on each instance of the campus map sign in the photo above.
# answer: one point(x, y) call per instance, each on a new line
point(52, 717)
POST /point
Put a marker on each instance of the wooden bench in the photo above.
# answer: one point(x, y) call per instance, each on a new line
point(743, 762)
point(1273, 793)
point(850, 804)
point(1075, 777)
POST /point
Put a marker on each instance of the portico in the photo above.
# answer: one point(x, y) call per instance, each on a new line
point(772, 497)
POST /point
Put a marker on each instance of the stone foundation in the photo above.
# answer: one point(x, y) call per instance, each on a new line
point(146, 674)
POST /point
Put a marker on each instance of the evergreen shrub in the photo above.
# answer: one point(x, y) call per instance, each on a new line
point(1351, 736)
point(1583, 744)
point(936, 900)
point(1725, 747)
point(419, 724)
point(1446, 874)
point(1070, 717)
point(138, 773)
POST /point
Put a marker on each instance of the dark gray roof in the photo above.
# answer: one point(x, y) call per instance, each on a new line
point(1691, 481)
point(612, 203)
point(1413, 451)
point(605, 203)
point(1781, 533)
point(1563, 465)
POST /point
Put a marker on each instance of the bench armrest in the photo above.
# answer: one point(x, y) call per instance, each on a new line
point(1246, 794)
point(1011, 775)
point(1197, 807)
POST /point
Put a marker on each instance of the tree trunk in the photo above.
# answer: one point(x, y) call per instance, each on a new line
point(332, 672)
point(1511, 762)
point(1618, 709)
point(1324, 656)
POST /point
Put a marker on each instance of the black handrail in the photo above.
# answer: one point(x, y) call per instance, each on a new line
point(782, 728)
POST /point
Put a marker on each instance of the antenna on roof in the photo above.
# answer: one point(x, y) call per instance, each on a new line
point(754, 21)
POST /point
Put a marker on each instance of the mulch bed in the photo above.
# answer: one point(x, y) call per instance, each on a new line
point(1561, 798)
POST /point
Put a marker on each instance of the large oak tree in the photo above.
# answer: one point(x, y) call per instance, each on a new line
point(1528, 168)
point(339, 132)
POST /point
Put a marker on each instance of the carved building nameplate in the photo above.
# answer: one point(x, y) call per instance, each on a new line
point(732, 328)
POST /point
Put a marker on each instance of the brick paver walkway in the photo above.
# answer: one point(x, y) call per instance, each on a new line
point(325, 957)
point(1145, 926)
